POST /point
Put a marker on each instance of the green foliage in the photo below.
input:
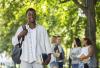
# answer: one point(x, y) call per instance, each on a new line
point(58, 18)
point(98, 28)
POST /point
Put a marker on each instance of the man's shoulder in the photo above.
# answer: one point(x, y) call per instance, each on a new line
point(60, 46)
point(40, 27)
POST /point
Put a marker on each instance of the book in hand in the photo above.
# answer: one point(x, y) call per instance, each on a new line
point(44, 57)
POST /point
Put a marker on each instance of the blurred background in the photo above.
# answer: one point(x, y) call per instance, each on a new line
point(67, 18)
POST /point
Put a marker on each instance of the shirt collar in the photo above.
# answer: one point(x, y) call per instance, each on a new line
point(27, 26)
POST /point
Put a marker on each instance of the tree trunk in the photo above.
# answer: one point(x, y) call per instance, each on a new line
point(91, 23)
point(89, 10)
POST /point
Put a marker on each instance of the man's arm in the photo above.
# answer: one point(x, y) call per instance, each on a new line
point(20, 33)
point(48, 47)
point(47, 43)
point(15, 37)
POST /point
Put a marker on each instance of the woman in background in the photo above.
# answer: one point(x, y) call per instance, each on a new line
point(87, 55)
point(75, 51)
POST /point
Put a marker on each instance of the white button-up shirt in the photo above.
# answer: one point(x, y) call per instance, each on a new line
point(32, 44)
point(35, 43)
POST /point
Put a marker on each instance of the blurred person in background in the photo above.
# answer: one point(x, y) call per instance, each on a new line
point(87, 55)
point(53, 63)
point(59, 52)
point(75, 51)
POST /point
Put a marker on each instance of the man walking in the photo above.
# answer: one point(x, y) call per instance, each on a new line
point(36, 42)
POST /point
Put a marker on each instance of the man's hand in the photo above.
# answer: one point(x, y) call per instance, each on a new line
point(22, 34)
point(47, 60)
point(56, 54)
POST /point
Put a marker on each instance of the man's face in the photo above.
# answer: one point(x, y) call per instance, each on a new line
point(58, 40)
point(31, 16)
point(53, 39)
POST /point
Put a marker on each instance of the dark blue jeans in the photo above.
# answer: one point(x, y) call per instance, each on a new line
point(86, 65)
point(75, 65)
point(60, 64)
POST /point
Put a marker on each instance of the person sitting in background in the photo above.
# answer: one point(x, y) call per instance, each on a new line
point(75, 51)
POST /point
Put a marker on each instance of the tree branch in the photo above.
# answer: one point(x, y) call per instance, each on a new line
point(64, 1)
point(95, 1)
point(79, 5)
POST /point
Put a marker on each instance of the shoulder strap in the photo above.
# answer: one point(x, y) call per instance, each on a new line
point(24, 28)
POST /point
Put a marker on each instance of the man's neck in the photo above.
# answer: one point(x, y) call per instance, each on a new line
point(32, 25)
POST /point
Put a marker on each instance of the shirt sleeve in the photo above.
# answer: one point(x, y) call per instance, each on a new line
point(60, 48)
point(15, 37)
point(74, 54)
point(80, 53)
point(47, 43)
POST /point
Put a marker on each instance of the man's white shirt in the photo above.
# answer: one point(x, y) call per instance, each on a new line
point(35, 43)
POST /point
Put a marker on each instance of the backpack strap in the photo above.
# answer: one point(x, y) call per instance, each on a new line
point(24, 28)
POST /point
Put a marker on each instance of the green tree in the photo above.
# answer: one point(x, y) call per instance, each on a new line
point(60, 17)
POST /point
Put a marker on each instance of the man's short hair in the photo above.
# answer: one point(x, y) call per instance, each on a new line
point(30, 9)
